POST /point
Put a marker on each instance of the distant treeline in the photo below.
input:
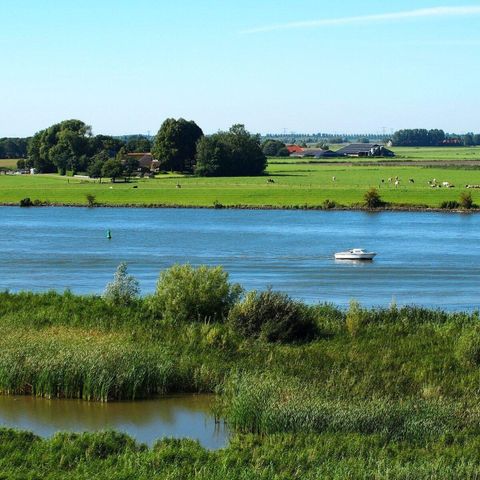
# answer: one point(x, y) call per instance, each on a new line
point(420, 137)
point(13, 147)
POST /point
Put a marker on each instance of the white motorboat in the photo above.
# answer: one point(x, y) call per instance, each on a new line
point(355, 254)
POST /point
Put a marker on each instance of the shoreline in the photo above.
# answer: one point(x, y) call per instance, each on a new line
point(340, 208)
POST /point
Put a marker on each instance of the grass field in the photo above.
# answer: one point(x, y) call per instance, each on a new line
point(294, 186)
point(8, 162)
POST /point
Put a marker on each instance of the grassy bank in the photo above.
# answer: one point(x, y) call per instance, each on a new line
point(294, 185)
point(377, 393)
point(276, 457)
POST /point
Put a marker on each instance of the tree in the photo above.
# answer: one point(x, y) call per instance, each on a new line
point(468, 140)
point(130, 165)
point(232, 153)
point(176, 143)
point(270, 148)
point(113, 169)
point(476, 139)
point(372, 199)
point(124, 289)
point(96, 166)
point(61, 146)
point(418, 137)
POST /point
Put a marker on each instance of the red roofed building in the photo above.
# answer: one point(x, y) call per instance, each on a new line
point(294, 149)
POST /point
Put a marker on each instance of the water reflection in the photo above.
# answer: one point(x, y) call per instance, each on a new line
point(185, 416)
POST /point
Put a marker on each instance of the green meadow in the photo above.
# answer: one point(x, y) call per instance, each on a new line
point(294, 185)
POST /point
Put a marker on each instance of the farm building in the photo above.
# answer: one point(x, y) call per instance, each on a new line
point(365, 150)
point(145, 160)
point(314, 153)
point(294, 149)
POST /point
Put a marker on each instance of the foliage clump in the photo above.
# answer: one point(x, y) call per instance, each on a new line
point(124, 289)
point(185, 293)
point(466, 200)
point(356, 318)
point(272, 316)
point(468, 347)
point(449, 205)
point(372, 199)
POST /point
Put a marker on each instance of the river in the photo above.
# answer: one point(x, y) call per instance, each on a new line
point(429, 259)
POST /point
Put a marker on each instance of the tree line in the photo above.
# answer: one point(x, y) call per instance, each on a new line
point(179, 145)
point(420, 137)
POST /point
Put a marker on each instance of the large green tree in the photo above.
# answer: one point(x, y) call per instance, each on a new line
point(232, 153)
point(62, 146)
point(113, 169)
point(175, 145)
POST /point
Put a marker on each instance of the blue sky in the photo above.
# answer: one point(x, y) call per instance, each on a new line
point(123, 66)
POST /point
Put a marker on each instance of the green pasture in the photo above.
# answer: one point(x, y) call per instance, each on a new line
point(294, 186)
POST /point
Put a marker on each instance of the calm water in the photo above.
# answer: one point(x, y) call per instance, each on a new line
point(429, 259)
point(186, 416)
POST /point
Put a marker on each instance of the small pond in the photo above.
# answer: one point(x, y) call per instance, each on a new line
point(182, 416)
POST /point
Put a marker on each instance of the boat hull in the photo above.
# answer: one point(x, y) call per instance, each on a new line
point(354, 256)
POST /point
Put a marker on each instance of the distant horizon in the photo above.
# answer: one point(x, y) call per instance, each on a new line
point(296, 65)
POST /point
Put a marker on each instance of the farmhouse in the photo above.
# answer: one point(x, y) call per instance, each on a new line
point(365, 150)
point(314, 153)
point(145, 160)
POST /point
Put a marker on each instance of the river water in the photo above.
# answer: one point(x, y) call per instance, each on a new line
point(429, 259)
point(184, 416)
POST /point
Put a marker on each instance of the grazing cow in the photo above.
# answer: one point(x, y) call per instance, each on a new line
point(397, 183)
point(334, 178)
point(411, 180)
point(390, 180)
point(178, 185)
point(383, 181)
point(270, 180)
point(445, 184)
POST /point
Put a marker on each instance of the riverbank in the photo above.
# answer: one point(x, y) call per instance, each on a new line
point(367, 393)
point(276, 457)
point(373, 393)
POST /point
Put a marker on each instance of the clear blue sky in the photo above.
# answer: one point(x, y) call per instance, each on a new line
point(123, 66)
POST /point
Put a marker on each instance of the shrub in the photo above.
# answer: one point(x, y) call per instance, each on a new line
point(26, 202)
point(372, 198)
point(124, 289)
point(185, 293)
point(273, 316)
point(466, 200)
point(329, 204)
point(449, 205)
point(468, 347)
point(356, 318)
point(91, 200)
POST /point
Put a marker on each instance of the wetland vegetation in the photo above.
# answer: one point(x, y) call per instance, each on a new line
point(384, 393)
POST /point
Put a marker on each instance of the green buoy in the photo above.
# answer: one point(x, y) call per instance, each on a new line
point(109, 234)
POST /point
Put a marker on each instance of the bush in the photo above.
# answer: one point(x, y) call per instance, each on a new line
point(356, 318)
point(185, 293)
point(329, 204)
point(124, 289)
point(468, 347)
point(26, 202)
point(449, 205)
point(91, 200)
point(372, 199)
point(273, 316)
point(466, 200)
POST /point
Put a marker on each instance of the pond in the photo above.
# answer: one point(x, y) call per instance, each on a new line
point(430, 259)
point(182, 416)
